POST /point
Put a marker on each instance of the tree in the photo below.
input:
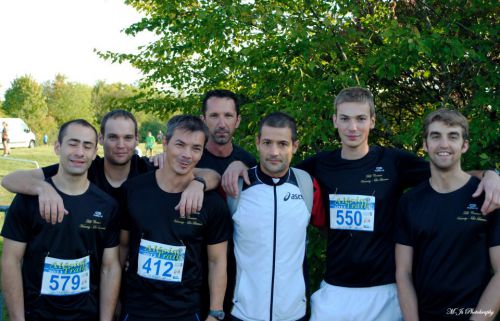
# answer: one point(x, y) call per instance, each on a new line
point(106, 97)
point(68, 100)
point(294, 56)
point(25, 99)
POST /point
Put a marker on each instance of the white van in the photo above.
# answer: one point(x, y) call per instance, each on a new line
point(20, 135)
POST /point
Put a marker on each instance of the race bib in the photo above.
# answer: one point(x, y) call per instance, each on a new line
point(65, 277)
point(352, 212)
point(161, 262)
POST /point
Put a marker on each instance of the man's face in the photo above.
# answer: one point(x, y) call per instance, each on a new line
point(445, 145)
point(184, 150)
point(276, 150)
point(77, 149)
point(221, 119)
point(354, 123)
point(119, 140)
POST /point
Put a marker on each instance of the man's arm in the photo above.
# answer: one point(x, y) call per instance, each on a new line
point(230, 178)
point(110, 283)
point(124, 247)
point(490, 299)
point(490, 185)
point(192, 197)
point(217, 275)
point(406, 290)
point(32, 182)
point(12, 281)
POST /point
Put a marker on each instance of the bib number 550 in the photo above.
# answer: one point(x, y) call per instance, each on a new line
point(349, 217)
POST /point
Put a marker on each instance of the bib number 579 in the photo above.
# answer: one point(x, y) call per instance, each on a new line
point(54, 282)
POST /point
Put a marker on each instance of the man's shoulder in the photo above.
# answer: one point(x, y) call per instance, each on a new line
point(213, 197)
point(143, 180)
point(97, 192)
point(241, 154)
point(140, 165)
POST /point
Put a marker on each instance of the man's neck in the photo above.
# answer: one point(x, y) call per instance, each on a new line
point(448, 181)
point(70, 184)
point(355, 153)
point(219, 150)
point(116, 175)
point(171, 182)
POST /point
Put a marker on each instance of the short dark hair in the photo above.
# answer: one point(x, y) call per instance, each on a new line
point(355, 95)
point(81, 122)
point(279, 120)
point(116, 114)
point(220, 93)
point(190, 123)
point(450, 117)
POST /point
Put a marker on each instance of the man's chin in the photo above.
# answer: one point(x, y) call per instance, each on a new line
point(119, 162)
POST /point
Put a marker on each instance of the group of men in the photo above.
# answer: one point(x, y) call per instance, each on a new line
point(174, 231)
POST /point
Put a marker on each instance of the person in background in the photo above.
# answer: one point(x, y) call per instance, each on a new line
point(5, 139)
point(150, 143)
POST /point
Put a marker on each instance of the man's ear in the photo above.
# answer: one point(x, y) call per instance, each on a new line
point(57, 148)
point(295, 146)
point(238, 120)
point(101, 139)
point(372, 122)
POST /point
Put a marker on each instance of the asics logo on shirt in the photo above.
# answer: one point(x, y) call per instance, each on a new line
point(379, 169)
point(292, 196)
point(97, 214)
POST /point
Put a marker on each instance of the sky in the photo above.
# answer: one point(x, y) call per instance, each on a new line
point(44, 38)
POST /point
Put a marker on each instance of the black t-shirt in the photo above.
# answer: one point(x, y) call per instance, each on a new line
point(365, 258)
point(450, 239)
point(138, 165)
point(150, 215)
point(91, 226)
point(219, 164)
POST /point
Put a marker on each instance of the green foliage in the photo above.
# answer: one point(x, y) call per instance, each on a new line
point(68, 100)
point(25, 99)
point(294, 56)
point(152, 126)
point(106, 97)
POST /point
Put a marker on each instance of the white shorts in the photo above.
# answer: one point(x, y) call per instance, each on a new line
point(337, 303)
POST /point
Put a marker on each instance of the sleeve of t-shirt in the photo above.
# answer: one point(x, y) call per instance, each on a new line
point(402, 233)
point(19, 219)
point(219, 221)
point(250, 161)
point(51, 170)
point(112, 233)
point(308, 165)
point(494, 228)
point(318, 215)
point(125, 220)
point(412, 169)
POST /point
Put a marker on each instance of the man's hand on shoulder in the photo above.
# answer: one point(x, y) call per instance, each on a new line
point(233, 172)
point(158, 160)
point(191, 199)
point(50, 204)
point(490, 185)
